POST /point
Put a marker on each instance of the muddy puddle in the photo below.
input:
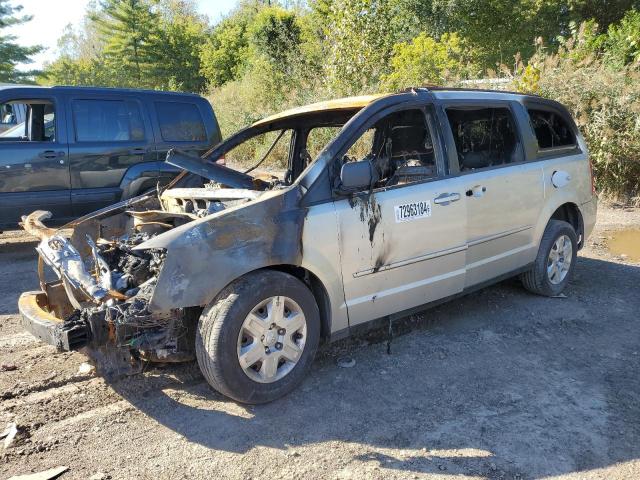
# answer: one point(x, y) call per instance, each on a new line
point(627, 243)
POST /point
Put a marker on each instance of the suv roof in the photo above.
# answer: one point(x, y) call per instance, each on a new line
point(6, 86)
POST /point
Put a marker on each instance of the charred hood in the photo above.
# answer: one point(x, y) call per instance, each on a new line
point(214, 172)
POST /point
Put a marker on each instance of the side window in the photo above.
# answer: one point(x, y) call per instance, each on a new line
point(317, 139)
point(484, 137)
point(269, 150)
point(400, 147)
point(180, 122)
point(28, 121)
point(107, 121)
point(551, 129)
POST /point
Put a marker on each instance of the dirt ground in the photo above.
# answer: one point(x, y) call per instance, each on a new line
point(499, 384)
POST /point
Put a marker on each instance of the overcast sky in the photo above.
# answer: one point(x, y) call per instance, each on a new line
point(51, 16)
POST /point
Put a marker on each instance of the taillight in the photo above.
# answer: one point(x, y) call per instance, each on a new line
point(593, 180)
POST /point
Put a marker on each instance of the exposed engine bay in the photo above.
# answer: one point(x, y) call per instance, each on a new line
point(105, 281)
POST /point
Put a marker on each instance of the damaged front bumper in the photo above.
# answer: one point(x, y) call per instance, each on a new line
point(45, 326)
point(100, 300)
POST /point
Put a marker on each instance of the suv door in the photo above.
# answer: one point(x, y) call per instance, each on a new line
point(34, 171)
point(110, 136)
point(402, 244)
point(504, 193)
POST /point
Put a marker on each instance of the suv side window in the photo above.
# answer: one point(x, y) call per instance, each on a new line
point(180, 122)
point(400, 146)
point(551, 130)
point(484, 137)
point(37, 123)
point(107, 121)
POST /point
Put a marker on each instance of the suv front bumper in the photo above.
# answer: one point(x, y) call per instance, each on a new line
point(48, 328)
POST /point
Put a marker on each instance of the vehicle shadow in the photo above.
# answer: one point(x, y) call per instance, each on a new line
point(500, 383)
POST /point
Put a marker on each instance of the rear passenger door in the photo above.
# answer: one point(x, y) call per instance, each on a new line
point(178, 124)
point(504, 193)
point(110, 139)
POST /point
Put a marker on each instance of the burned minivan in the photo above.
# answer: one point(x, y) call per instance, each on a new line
point(388, 203)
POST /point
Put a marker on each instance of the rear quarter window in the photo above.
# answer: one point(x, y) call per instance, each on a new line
point(180, 122)
point(551, 129)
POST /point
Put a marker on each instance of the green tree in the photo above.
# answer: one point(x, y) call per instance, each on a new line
point(604, 12)
point(622, 41)
point(182, 31)
point(276, 35)
point(359, 36)
point(11, 53)
point(425, 60)
point(129, 29)
point(223, 55)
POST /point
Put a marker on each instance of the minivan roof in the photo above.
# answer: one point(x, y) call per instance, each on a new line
point(440, 93)
point(7, 86)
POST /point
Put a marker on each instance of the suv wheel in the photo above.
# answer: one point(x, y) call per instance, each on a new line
point(257, 339)
point(555, 262)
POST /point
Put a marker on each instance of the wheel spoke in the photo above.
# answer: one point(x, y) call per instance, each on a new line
point(554, 272)
point(275, 310)
point(251, 354)
point(255, 326)
point(294, 322)
point(290, 350)
point(269, 367)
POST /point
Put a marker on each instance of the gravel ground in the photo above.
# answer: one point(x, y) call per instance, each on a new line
point(499, 384)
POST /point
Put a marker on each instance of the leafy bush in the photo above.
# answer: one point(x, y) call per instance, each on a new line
point(623, 41)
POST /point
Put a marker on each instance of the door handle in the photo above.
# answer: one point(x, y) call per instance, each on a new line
point(446, 198)
point(51, 154)
point(137, 151)
point(477, 191)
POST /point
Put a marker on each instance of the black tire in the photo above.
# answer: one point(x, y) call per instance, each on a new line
point(220, 324)
point(536, 280)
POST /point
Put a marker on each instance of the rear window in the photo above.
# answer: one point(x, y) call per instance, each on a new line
point(180, 122)
point(551, 130)
point(484, 137)
point(107, 121)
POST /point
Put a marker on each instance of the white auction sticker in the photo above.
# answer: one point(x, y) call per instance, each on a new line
point(412, 211)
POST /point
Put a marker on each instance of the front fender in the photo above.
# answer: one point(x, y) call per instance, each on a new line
point(206, 255)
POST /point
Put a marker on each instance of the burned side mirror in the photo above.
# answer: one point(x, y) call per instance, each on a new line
point(357, 176)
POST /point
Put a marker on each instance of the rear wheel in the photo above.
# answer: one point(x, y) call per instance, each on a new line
point(257, 340)
point(555, 262)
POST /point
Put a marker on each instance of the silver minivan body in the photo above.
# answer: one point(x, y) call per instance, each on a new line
point(466, 220)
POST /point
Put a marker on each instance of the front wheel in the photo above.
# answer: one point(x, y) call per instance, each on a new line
point(257, 339)
point(555, 262)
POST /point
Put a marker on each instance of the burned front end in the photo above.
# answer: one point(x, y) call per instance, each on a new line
point(98, 278)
